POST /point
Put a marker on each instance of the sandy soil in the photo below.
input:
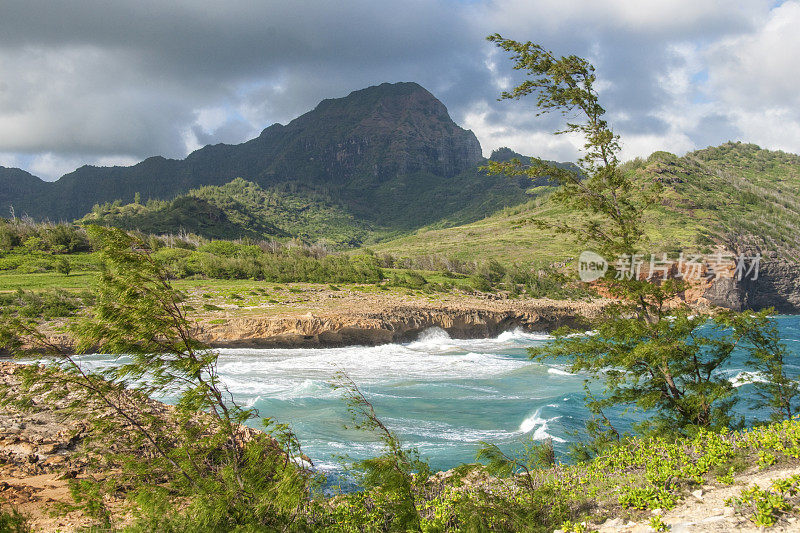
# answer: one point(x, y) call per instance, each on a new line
point(705, 510)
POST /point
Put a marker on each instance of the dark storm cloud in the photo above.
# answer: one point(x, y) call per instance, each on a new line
point(97, 80)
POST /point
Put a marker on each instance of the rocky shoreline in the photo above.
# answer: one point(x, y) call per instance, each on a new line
point(358, 319)
point(48, 440)
point(319, 317)
point(327, 318)
point(393, 322)
point(42, 449)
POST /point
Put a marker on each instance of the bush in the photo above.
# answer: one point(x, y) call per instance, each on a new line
point(63, 266)
point(13, 522)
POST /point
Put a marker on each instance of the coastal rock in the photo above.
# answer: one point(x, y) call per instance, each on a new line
point(394, 324)
point(777, 285)
point(372, 319)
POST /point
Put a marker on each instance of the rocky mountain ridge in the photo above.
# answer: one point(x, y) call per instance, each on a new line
point(368, 151)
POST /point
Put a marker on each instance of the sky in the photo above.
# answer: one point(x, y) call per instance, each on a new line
point(105, 83)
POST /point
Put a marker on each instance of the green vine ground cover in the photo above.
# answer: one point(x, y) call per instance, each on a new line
point(629, 481)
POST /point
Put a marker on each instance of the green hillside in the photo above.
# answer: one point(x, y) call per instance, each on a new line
point(239, 209)
point(242, 209)
point(736, 195)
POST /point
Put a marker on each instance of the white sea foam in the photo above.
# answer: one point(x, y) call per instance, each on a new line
point(437, 340)
point(438, 430)
point(471, 374)
point(558, 372)
point(433, 357)
point(539, 426)
point(745, 378)
point(520, 335)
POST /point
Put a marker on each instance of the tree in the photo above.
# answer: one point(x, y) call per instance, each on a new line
point(399, 475)
point(63, 266)
point(768, 357)
point(651, 351)
point(192, 466)
point(610, 202)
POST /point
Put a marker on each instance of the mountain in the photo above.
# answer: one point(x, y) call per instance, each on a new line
point(21, 190)
point(388, 155)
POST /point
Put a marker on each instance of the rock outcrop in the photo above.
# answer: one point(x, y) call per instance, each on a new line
point(393, 324)
point(777, 285)
point(726, 280)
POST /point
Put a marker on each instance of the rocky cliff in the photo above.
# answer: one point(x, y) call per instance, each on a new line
point(777, 285)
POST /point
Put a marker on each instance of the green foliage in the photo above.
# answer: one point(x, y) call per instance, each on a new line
point(22, 311)
point(533, 455)
point(576, 527)
point(12, 521)
point(658, 524)
point(768, 357)
point(651, 356)
point(285, 266)
point(434, 274)
point(217, 259)
point(196, 460)
point(399, 474)
point(634, 475)
point(239, 209)
point(46, 237)
point(47, 304)
point(63, 266)
point(609, 204)
point(764, 507)
point(667, 365)
point(647, 498)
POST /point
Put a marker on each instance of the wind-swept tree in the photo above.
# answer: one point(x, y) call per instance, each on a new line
point(650, 350)
point(194, 466)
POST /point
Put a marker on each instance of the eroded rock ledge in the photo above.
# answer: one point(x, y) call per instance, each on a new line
point(393, 323)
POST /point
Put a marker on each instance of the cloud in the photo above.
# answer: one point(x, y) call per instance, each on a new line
point(120, 81)
point(52, 166)
point(754, 78)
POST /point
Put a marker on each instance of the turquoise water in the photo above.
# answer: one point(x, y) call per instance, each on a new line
point(440, 395)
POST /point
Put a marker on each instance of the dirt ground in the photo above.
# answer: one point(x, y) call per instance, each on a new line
point(705, 510)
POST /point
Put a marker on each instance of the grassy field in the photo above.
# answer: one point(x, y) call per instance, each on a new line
point(510, 236)
point(12, 281)
point(219, 299)
point(735, 195)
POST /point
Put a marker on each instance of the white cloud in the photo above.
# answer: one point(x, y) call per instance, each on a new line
point(675, 19)
point(644, 145)
point(776, 128)
point(10, 160)
point(759, 69)
point(87, 100)
point(51, 166)
point(754, 78)
point(499, 134)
